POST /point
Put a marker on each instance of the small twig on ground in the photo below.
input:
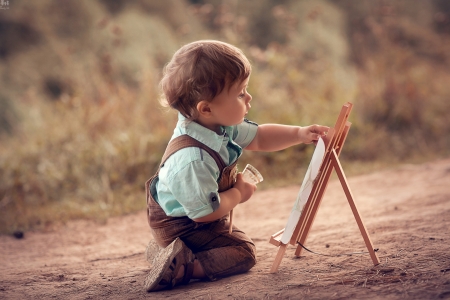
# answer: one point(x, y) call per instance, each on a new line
point(364, 284)
point(398, 253)
point(113, 258)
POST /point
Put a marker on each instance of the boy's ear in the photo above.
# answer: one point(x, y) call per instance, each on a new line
point(203, 108)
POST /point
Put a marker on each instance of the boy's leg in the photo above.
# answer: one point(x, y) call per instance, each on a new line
point(220, 253)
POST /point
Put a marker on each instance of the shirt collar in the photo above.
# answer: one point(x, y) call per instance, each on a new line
point(200, 133)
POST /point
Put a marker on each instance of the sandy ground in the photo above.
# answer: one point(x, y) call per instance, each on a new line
point(406, 211)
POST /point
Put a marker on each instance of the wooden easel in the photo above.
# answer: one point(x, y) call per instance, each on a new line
point(334, 142)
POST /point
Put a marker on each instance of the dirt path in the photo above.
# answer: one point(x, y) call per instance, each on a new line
point(406, 210)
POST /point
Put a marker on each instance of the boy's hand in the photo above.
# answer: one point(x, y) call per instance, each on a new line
point(310, 134)
point(245, 188)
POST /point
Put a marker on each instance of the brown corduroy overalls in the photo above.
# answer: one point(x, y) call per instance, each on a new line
point(220, 253)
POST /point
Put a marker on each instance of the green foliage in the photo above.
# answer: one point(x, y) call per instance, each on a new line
point(8, 115)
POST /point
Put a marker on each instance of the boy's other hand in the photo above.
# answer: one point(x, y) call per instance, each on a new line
point(310, 134)
point(245, 188)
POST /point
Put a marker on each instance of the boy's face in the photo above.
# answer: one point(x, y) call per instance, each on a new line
point(231, 105)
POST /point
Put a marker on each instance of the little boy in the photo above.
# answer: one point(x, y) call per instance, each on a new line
point(197, 185)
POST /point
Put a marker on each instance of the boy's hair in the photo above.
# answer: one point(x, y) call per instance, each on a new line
point(200, 71)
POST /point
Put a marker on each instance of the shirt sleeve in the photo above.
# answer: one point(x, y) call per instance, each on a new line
point(244, 133)
point(195, 187)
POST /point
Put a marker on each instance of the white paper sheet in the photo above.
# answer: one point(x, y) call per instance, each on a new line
point(305, 191)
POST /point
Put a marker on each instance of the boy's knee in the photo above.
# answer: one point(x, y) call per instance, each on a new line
point(251, 249)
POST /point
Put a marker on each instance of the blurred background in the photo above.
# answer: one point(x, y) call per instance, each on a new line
point(81, 127)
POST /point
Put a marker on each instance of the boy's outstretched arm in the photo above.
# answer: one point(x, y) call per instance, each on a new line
point(274, 137)
point(239, 193)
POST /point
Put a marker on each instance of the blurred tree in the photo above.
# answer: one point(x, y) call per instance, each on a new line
point(116, 6)
point(8, 115)
point(15, 36)
point(263, 27)
point(442, 16)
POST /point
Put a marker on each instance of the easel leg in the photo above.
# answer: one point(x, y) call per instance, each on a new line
point(278, 258)
point(311, 215)
point(348, 193)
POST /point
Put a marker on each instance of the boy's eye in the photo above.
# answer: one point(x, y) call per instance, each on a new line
point(241, 95)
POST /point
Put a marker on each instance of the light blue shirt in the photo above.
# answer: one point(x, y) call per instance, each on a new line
point(187, 183)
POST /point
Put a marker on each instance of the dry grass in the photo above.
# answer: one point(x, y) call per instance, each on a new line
point(81, 157)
